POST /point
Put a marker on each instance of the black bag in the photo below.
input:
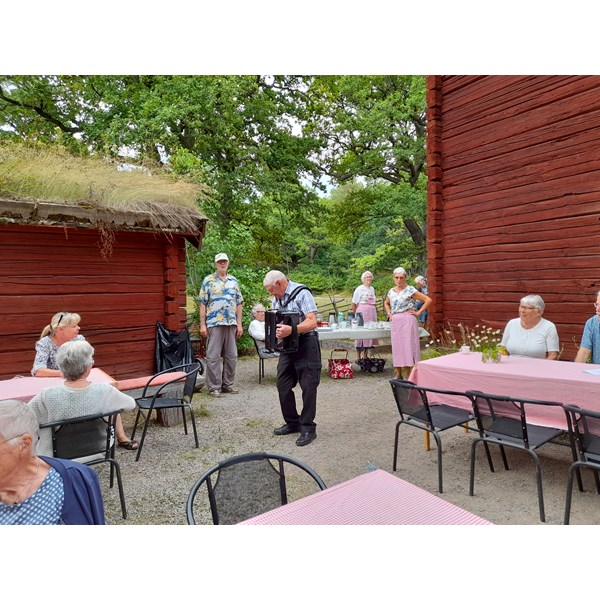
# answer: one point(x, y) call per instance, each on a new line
point(371, 364)
point(173, 348)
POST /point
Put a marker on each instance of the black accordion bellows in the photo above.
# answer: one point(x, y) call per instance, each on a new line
point(287, 317)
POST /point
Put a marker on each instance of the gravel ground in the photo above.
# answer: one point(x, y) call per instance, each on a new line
point(355, 427)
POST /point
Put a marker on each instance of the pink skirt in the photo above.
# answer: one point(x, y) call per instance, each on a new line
point(406, 349)
point(369, 313)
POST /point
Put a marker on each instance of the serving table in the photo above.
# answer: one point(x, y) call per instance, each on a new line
point(374, 498)
point(517, 376)
point(360, 333)
point(25, 388)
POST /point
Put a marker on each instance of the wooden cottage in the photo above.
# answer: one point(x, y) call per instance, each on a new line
point(514, 198)
point(122, 268)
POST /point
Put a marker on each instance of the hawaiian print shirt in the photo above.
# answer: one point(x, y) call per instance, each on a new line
point(221, 299)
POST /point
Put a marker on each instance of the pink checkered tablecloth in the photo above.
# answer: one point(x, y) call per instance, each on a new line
point(374, 498)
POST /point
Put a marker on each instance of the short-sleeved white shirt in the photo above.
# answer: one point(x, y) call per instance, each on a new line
point(535, 342)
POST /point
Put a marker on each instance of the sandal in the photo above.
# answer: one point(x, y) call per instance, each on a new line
point(129, 445)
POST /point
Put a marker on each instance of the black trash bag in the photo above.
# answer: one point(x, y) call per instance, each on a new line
point(173, 348)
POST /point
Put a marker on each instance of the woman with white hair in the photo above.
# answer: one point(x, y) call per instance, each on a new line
point(64, 328)
point(41, 490)
point(530, 334)
point(76, 397)
point(363, 301)
point(257, 330)
point(401, 306)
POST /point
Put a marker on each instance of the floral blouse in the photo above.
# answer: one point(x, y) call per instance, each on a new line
point(402, 301)
point(45, 353)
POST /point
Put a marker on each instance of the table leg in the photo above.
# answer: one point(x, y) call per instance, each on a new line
point(427, 441)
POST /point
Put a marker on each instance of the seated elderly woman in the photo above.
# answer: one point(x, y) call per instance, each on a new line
point(530, 334)
point(41, 490)
point(64, 328)
point(76, 397)
point(257, 331)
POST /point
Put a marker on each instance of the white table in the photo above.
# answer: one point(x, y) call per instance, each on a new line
point(360, 333)
point(374, 498)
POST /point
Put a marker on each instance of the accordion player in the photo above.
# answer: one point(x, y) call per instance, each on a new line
point(287, 317)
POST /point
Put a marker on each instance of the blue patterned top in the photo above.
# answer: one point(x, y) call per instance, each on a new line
point(221, 299)
point(591, 338)
point(44, 507)
point(45, 353)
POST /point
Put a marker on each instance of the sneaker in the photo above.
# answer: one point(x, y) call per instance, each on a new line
point(215, 393)
point(229, 391)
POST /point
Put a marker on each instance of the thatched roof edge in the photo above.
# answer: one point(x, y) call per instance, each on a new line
point(144, 216)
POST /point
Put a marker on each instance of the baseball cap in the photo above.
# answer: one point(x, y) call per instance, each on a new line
point(221, 256)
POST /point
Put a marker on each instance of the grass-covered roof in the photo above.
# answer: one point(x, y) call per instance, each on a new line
point(41, 184)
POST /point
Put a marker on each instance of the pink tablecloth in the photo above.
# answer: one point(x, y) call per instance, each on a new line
point(25, 388)
point(517, 376)
point(374, 498)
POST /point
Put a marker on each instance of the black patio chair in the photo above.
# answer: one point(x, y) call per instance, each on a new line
point(91, 441)
point(179, 396)
point(261, 360)
point(247, 485)
point(417, 411)
point(502, 420)
point(584, 433)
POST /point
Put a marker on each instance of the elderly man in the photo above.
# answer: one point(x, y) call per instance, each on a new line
point(590, 341)
point(302, 366)
point(220, 303)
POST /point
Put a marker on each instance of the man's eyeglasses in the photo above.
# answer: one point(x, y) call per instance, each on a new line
point(527, 307)
point(259, 311)
point(596, 305)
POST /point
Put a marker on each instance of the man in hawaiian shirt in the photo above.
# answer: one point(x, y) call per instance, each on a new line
point(220, 303)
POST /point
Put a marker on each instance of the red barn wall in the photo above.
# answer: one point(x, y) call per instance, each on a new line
point(44, 270)
point(514, 198)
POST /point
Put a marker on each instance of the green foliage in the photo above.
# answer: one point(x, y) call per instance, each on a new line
point(269, 147)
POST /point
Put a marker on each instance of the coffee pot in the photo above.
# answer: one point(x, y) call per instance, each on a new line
point(361, 321)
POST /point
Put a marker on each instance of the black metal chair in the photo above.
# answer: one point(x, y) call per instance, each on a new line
point(180, 398)
point(247, 485)
point(502, 420)
point(261, 360)
point(584, 433)
point(416, 410)
point(91, 441)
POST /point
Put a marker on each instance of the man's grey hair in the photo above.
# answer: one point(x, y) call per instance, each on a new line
point(419, 278)
point(273, 277)
point(74, 358)
point(533, 300)
point(16, 419)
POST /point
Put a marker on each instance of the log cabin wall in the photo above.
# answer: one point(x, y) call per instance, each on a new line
point(514, 198)
point(44, 270)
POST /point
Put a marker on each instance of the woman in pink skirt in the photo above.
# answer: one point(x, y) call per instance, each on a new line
point(401, 306)
point(363, 301)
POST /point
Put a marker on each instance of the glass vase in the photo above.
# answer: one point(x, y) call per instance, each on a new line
point(491, 355)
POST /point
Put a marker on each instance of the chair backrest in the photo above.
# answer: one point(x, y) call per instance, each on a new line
point(410, 399)
point(257, 348)
point(584, 429)
point(251, 484)
point(507, 415)
point(190, 381)
point(86, 436)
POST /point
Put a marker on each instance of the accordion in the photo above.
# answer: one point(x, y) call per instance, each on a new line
point(287, 317)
